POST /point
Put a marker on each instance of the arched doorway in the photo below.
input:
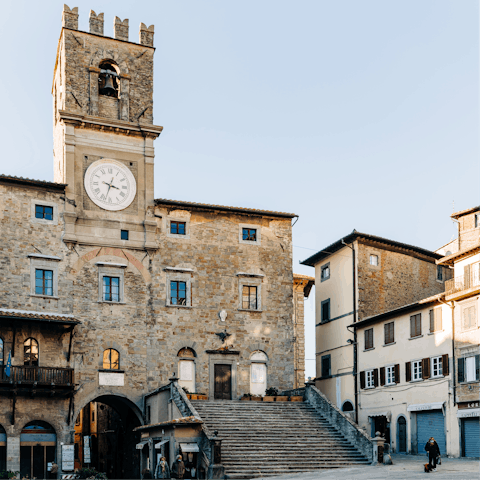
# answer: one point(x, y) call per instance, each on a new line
point(3, 449)
point(402, 434)
point(347, 406)
point(258, 373)
point(38, 443)
point(104, 437)
point(186, 368)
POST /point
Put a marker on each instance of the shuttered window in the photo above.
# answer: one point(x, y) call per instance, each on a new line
point(416, 325)
point(417, 370)
point(369, 339)
point(389, 333)
point(435, 319)
point(469, 369)
point(469, 317)
point(369, 379)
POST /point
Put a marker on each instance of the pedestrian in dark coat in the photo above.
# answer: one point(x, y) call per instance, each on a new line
point(178, 468)
point(433, 452)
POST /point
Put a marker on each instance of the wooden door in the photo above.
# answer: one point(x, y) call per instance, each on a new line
point(223, 382)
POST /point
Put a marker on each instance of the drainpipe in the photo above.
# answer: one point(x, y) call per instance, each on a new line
point(454, 371)
point(355, 350)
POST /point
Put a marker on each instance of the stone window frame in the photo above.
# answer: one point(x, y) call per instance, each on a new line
point(44, 262)
point(44, 203)
point(179, 275)
point(324, 268)
point(111, 269)
point(250, 280)
point(258, 228)
point(184, 220)
point(371, 257)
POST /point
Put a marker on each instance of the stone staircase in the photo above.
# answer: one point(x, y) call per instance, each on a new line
point(260, 439)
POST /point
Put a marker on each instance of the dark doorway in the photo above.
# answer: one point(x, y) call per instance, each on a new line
point(223, 382)
point(402, 435)
point(104, 438)
point(382, 426)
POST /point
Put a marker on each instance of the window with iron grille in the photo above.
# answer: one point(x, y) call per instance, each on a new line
point(249, 234)
point(178, 293)
point(43, 282)
point(389, 333)
point(111, 359)
point(368, 338)
point(416, 325)
point(435, 319)
point(111, 289)
point(249, 297)
point(44, 212)
point(178, 228)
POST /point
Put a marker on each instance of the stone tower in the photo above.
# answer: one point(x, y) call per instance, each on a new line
point(104, 132)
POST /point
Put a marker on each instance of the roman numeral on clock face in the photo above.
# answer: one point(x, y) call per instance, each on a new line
point(122, 194)
point(102, 196)
point(110, 170)
point(97, 190)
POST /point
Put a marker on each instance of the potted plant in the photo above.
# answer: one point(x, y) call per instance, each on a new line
point(281, 398)
point(256, 398)
point(201, 396)
point(246, 397)
point(270, 394)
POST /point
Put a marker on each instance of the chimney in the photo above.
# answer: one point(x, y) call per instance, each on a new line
point(96, 23)
point(146, 35)
point(120, 29)
point(70, 17)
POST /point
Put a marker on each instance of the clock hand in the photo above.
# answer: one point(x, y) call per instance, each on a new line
point(109, 185)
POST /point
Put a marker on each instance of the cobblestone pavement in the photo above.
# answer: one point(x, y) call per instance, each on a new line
point(404, 467)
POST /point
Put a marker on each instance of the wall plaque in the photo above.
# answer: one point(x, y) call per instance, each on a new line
point(111, 379)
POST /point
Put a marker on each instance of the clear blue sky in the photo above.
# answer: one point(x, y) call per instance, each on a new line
point(352, 114)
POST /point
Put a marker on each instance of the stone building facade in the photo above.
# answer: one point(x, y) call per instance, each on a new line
point(386, 274)
point(105, 296)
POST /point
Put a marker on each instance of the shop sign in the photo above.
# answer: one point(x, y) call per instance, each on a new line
point(425, 406)
point(468, 413)
point(462, 405)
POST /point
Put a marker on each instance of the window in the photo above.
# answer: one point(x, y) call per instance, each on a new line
point(30, 352)
point(111, 359)
point(469, 369)
point(435, 319)
point(439, 273)
point(2, 358)
point(178, 293)
point(258, 373)
point(369, 379)
point(477, 220)
point(374, 260)
point(469, 317)
point(390, 375)
point(347, 406)
point(249, 234)
point(325, 272)
point(43, 282)
point(389, 333)
point(249, 297)
point(416, 325)
point(178, 228)
point(123, 234)
point(111, 289)
point(44, 212)
point(417, 370)
point(325, 311)
point(186, 369)
point(369, 339)
point(437, 367)
point(326, 366)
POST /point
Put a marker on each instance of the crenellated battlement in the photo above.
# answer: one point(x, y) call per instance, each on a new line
point(96, 22)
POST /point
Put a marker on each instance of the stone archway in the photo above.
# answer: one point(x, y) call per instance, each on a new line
point(104, 436)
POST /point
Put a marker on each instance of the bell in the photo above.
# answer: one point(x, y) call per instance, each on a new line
point(108, 88)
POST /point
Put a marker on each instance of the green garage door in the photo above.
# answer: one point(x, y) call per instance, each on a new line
point(431, 424)
point(471, 437)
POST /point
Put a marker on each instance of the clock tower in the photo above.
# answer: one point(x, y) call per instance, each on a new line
point(104, 132)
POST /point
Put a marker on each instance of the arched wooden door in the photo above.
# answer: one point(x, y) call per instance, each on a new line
point(402, 435)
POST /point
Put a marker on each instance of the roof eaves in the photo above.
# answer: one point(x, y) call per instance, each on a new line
point(32, 182)
point(207, 206)
point(461, 213)
point(450, 259)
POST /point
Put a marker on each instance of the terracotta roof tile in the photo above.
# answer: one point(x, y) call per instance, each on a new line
point(30, 181)
point(39, 316)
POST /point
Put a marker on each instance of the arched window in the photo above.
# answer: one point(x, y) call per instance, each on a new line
point(347, 406)
point(30, 352)
point(258, 373)
point(186, 369)
point(108, 80)
point(111, 359)
point(2, 358)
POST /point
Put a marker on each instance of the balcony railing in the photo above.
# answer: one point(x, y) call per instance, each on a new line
point(29, 375)
point(464, 282)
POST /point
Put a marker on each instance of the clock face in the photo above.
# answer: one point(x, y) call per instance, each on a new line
point(110, 184)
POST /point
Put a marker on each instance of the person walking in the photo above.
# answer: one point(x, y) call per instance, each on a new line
point(433, 452)
point(178, 468)
point(162, 470)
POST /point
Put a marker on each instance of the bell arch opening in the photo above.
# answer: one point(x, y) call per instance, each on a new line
point(104, 437)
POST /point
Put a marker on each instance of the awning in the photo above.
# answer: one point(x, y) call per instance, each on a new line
point(381, 414)
point(141, 444)
point(468, 412)
point(415, 407)
point(189, 447)
point(159, 444)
